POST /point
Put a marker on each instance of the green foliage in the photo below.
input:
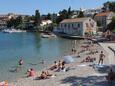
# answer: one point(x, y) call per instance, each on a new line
point(27, 18)
point(18, 21)
point(62, 15)
point(48, 16)
point(14, 22)
point(110, 5)
point(80, 15)
point(69, 12)
point(37, 18)
point(10, 22)
point(111, 26)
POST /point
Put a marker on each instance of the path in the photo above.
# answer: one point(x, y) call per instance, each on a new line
point(111, 56)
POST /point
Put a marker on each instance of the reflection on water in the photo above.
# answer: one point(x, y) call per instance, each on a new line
point(32, 48)
point(37, 40)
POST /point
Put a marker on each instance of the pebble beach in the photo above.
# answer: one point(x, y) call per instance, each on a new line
point(79, 73)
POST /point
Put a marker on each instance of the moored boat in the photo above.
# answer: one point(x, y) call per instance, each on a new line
point(45, 35)
point(12, 30)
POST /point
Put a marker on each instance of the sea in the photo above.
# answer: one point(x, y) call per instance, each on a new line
point(33, 49)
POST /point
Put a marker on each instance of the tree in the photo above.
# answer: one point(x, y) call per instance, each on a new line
point(11, 22)
point(37, 18)
point(69, 12)
point(62, 15)
point(27, 18)
point(111, 26)
point(109, 6)
point(48, 16)
point(80, 14)
point(18, 21)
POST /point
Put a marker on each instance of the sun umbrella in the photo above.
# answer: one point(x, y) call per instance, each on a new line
point(68, 59)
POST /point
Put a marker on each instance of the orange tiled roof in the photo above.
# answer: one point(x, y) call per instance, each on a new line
point(73, 20)
point(103, 14)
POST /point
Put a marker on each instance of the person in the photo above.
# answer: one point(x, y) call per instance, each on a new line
point(88, 59)
point(48, 74)
point(63, 67)
point(4, 83)
point(21, 62)
point(30, 72)
point(43, 75)
point(101, 57)
point(111, 75)
point(55, 66)
point(59, 65)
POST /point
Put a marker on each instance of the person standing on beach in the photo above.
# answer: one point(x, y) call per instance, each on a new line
point(101, 57)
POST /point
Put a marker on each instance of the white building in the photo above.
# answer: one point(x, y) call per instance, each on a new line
point(78, 26)
point(45, 22)
point(91, 12)
point(104, 18)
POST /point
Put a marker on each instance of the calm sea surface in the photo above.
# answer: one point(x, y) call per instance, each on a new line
point(32, 48)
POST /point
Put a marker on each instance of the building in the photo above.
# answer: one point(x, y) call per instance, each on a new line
point(45, 22)
point(3, 21)
point(91, 12)
point(78, 26)
point(103, 19)
point(5, 17)
point(75, 13)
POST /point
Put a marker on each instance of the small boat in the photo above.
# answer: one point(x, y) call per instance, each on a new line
point(12, 30)
point(45, 35)
point(49, 35)
point(52, 35)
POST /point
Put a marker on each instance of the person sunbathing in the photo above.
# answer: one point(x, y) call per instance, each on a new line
point(59, 66)
point(43, 75)
point(55, 66)
point(62, 67)
point(88, 59)
point(48, 74)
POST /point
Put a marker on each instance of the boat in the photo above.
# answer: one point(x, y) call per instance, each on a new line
point(52, 35)
point(13, 30)
point(45, 35)
point(48, 35)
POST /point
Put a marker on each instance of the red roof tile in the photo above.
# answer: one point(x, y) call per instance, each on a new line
point(102, 14)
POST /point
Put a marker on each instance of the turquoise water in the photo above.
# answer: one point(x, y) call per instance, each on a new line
point(32, 48)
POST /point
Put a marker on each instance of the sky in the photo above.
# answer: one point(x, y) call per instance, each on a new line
point(46, 6)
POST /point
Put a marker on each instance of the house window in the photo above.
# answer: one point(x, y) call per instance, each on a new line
point(72, 25)
point(78, 25)
point(68, 25)
point(65, 25)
